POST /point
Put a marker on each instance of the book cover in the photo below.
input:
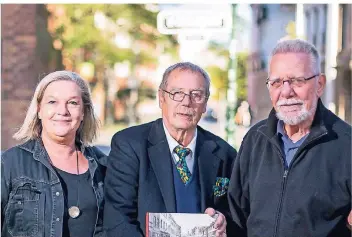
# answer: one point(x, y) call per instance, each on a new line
point(179, 225)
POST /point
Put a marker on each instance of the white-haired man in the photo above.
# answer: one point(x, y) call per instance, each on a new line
point(292, 176)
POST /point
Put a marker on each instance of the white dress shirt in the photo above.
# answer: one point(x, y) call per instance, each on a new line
point(173, 143)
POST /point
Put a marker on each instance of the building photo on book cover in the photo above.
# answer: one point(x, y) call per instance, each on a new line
point(179, 225)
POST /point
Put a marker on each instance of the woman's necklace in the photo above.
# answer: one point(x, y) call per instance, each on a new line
point(74, 211)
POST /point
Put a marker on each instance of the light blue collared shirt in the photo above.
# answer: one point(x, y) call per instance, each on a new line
point(287, 145)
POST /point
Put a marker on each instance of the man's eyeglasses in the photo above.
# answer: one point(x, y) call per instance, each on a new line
point(294, 82)
point(197, 96)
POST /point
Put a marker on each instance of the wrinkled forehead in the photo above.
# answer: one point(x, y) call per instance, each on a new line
point(290, 64)
point(186, 79)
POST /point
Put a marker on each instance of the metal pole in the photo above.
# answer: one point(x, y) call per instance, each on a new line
point(232, 86)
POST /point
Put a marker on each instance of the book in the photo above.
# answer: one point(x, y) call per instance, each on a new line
point(180, 225)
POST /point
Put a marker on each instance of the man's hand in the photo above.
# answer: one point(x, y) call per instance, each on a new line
point(349, 220)
point(220, 223)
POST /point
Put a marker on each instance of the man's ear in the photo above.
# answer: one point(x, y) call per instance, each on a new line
point(205, 106)
point(321, 84)
point(161, 98)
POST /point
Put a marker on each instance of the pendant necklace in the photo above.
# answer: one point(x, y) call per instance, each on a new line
point(74, 211)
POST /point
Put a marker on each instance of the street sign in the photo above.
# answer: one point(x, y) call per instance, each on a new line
point(175, 21)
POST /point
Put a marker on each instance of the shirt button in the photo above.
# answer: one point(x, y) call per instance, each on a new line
point(58, 219)
point(57, 194)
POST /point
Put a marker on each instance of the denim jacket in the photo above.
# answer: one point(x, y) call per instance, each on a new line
point(32, 201)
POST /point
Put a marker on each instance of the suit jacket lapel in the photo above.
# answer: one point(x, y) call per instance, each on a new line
point(208, 164)
point(160, 159)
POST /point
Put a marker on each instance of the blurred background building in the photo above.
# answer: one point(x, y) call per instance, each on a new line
point(344, 64)
point(327, 26)
point(120, 51)
point(270, 23)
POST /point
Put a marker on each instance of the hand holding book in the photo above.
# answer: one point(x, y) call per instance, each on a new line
point(220, 223)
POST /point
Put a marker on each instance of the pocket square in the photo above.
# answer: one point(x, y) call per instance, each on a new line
point(221, 186)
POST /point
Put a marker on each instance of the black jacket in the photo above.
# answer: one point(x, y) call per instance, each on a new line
point(139, 176)
point(32, 201)
point(312, 197)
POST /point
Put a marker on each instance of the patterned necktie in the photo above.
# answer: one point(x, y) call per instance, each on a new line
point(181, 164)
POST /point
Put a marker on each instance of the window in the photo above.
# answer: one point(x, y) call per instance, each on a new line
point(262, 13)
point(262, 64)
point(308, 25)
point(314, 39)
point(316, 26)
point(323, 33)
point(345, 25)
point(323, 42)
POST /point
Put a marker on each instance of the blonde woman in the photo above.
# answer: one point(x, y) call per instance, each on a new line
point(52, 184)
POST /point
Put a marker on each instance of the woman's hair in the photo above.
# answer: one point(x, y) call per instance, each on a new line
point(32, 126)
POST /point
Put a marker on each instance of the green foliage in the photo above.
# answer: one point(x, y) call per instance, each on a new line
point(219, 80)
point(241, 77)
point(144, 93)
point(78, 31)
point(219, 77)
point(291, 30)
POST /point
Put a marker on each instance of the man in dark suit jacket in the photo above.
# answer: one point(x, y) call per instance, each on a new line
point(171, 164)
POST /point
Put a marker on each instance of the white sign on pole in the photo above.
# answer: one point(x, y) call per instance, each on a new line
point(175, 21)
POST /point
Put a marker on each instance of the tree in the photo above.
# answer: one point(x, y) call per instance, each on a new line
point(77, 29)
point(291, 30)
point(241, 77)
point(92, 32)
point(219, 77)
point(218, 80)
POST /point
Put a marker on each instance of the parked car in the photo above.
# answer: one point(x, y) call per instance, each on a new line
point(105, 149)
point(210, 115)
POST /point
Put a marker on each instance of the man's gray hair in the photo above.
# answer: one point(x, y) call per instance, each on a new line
point(298, 46)
point(32, 126)
point(186, 66)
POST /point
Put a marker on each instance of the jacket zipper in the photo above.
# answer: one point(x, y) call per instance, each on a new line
point(280, 203)
point(98, 210)
point(286, 170)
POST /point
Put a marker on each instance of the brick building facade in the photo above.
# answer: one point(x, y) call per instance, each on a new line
point(26, 46)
